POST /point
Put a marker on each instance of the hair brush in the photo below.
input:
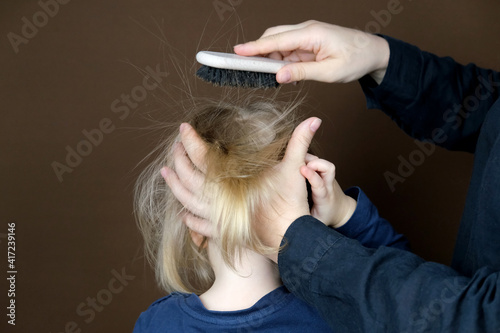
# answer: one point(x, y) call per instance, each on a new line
point(227, 69)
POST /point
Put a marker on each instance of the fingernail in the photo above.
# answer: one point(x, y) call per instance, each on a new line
point(183, 127)
point(164, 172)
point(237, 45)
point(284, 77)
point(315, 124)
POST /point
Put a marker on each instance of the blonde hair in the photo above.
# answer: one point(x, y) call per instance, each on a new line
point(246, 137)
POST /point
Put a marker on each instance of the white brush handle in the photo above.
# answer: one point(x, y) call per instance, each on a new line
point(236, 62)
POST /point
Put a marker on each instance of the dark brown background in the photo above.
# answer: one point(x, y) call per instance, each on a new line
point(72, 234)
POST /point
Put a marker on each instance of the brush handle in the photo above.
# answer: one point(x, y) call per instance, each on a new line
point(240, 63)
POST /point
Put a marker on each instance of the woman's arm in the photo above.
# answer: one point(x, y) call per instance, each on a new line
point(357, 289)
point(433, 98)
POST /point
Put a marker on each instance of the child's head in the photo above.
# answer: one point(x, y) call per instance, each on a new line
point(245, 138)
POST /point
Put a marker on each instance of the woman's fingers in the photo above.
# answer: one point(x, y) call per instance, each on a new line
point(192, 179)
point(186, 183)
point(194, 146)
point(280, 38)
point(283, 28)
point(198, 225)
point(188, 199)
point(322, 71)
point(279, 42)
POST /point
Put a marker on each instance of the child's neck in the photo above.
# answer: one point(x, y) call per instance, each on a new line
point(255, 277)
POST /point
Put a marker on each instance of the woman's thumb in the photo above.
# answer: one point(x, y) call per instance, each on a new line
point(302, 136)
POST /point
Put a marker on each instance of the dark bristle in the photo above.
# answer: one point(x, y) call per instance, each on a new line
point(233, 78)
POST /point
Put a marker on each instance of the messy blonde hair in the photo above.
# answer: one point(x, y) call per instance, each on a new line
point(245, 136)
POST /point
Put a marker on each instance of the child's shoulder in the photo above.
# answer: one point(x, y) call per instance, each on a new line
point(162, 311)
point(169, 300)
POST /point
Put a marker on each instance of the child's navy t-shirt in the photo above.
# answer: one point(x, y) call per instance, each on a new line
point(278, 311)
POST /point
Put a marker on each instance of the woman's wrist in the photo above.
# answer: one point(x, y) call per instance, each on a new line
point(381, 52)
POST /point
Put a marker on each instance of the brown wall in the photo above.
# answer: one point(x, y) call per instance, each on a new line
point(73, 236)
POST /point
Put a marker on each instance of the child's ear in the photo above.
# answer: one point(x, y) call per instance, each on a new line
point(198, 239)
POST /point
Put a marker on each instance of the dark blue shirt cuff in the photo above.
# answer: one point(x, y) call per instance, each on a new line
point(401, 78)
point(367, 227)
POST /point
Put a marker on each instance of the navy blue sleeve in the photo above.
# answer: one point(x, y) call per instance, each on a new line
point(145, 321)
point(357, 289)
point(433, 98)
point(367, 227)
point(140, 325)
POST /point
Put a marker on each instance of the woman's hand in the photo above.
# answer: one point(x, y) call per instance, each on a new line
point(288, 203)
point(186, 183)
point(321, 52)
